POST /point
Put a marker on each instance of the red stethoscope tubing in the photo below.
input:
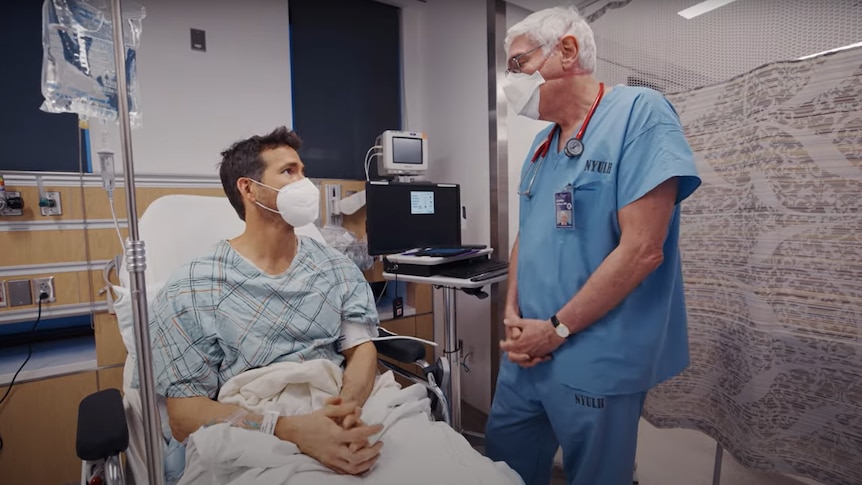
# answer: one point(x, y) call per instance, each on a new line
point(546, 145)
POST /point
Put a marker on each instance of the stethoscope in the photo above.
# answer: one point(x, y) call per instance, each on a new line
point(573, 149)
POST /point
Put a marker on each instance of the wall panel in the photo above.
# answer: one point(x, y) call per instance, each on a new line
point(38, 422)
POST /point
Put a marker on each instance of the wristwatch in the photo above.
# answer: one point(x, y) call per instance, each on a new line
point(562, 330)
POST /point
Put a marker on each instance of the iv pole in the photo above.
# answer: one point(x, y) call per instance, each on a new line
point(136, 263)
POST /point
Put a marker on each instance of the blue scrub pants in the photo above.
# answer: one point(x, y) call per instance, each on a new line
point(532, 415)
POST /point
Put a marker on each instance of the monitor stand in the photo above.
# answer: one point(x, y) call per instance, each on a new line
point(409, 179)
point(406, 263)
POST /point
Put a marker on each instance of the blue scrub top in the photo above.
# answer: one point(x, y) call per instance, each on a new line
point(633, 143)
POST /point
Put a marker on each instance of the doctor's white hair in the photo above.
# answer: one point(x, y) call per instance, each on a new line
point(547, 27)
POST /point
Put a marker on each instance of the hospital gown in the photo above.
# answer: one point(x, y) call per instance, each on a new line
point(220, 315)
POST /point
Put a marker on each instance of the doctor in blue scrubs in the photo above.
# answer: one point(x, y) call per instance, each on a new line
point(595, 313)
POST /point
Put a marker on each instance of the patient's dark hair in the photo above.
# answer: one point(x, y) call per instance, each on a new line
point(242, 159)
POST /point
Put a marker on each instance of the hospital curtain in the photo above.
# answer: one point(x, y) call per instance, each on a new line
point(772, 255)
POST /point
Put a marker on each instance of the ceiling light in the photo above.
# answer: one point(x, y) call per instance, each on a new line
point(848, 46)
point(702, 8)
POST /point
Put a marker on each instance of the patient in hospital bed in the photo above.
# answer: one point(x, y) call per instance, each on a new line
point(262, 349)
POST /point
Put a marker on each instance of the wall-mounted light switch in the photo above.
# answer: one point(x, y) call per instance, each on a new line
point(199, 40)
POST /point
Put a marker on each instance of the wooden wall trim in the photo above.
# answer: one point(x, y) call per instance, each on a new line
point(59, 225)
point(92, 204)
point(28, 314)
point(64, 179)
point(52, 268)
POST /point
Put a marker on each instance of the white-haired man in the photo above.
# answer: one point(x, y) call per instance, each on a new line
point(595, 314)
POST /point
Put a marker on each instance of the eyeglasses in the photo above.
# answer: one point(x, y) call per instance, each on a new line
point(515, 61)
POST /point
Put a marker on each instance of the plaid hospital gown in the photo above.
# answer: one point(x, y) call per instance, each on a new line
point(219, 316)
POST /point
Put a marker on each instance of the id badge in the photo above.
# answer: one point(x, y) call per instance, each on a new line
point(564, 215)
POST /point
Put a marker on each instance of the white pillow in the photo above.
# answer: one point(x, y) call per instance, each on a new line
point(125, 315)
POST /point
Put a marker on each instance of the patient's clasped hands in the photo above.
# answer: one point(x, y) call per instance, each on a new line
point(336, 437)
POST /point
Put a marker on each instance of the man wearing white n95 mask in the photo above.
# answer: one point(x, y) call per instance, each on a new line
point(214, 318)
point(270, 297)
point(595, 314)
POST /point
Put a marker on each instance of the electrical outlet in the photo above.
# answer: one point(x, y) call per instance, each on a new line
point(44, 285)
point(3, 302)
point(55, 209)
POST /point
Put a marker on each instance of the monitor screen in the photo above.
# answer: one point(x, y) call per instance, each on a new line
point(406, 216)
point(406, 150)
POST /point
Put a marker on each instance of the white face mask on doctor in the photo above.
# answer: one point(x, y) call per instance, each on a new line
point(522, 91)
point(298, 202)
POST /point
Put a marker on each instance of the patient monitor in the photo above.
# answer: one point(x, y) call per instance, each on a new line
point(402, 153)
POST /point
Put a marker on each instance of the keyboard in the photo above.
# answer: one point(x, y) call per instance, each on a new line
point(481, 270)
point(441, 252)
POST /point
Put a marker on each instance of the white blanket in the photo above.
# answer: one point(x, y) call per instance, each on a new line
point(416, 449)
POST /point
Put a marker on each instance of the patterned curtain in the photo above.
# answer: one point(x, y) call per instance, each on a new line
point(772, 248)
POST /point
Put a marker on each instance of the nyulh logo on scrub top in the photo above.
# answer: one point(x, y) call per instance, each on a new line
point(598, 166)
point(590, 402)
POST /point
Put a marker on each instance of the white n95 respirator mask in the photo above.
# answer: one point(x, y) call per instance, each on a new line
point(522, 91)
point(298, 202)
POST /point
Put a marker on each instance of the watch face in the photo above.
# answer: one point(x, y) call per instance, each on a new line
point(562, 331)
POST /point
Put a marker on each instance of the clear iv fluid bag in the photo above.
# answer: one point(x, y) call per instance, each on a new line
point(78, 73)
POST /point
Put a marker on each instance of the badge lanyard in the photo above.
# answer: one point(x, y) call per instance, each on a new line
point(574, 147)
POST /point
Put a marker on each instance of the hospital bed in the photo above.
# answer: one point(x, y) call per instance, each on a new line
point(175, 229)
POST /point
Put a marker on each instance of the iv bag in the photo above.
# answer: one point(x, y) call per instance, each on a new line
point(78, 72)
